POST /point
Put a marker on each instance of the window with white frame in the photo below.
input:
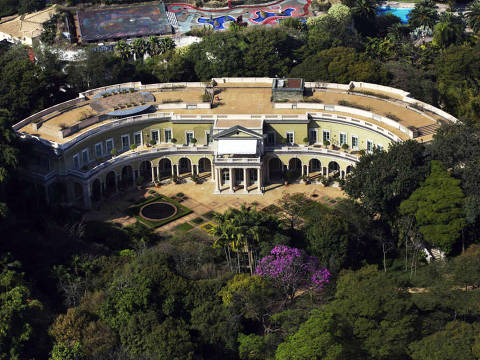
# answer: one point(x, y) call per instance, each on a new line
point(313, 136)
point(168, 135)
point(137, 138)
point(189, 135)
point(379, 147)
point(226, 175)
point(155, 136)
point(98, 150)
point(343, 139)
point(369, 145)
point(85, 156)
point(355, 142)
point(76, 161)
point(326, 135)
point(109, 146)
point(125, 142)
point(290, 137)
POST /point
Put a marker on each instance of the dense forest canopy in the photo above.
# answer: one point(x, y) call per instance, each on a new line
point(361, 288)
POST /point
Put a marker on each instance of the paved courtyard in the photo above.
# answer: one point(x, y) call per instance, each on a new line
point(201, 200)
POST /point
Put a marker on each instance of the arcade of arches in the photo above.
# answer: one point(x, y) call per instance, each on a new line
point(228, 179)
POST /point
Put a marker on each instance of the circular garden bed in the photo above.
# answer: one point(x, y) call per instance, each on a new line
point(159, 210)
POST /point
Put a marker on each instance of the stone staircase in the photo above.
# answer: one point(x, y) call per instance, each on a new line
point(427, 130)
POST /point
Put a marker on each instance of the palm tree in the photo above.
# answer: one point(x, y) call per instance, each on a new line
point(243, 230)
point(473, 16)
point(123, 49)
point(139, 47)
point(364, 9)
point(153, 45)
point(166, 44)
point(424, 14)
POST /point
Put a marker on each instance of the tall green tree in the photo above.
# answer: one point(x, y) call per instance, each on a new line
point(8, 156)
point(382, 179)
point(473, 16)
point(425, 13)
point(437, 206)
point(321, 337)
point(459, 340)
point(380, 314)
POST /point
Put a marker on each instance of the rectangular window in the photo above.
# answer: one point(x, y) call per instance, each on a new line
point(270, 139)
point(355, 142)
point(155, 136)
point(168, 135)
point(125, 142)
point(189, 136)
point(369, 145)
point(343, 138)
point(208, 137)
point(290, 137)
point(98, 150)
point(226, 175)
point(326, 135)
point(137, 138)
point(109, 146)
point(76, 161)
point(313, 136)
point(85, 156)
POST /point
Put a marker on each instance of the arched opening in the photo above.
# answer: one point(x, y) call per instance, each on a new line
point(164, 168)
point(110, 183)
point(275, 169)
point(333, 169)
point(184, 166)
point(295, 166)
point(315, 165)
point(146, 169)
point(57, 192)
point(127, 176)
point(78, 194)
point(204, 165)
point(96, 190)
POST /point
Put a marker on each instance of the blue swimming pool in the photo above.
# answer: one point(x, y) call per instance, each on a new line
point(402, 13)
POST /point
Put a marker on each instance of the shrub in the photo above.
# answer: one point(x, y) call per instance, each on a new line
point(306, 140)
point(173, 140)
point(133, 146)
point(326, 142)
point(345, 146)
point(393, 117)
point(113, 152)
point(353, 105)
point(152, 142)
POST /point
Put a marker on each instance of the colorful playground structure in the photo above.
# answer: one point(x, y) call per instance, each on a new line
point(111, 24)
point(188, 16)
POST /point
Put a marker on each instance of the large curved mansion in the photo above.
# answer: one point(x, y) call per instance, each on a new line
point(240, 133)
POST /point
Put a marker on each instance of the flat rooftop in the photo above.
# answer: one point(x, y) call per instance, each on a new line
point(236, 98)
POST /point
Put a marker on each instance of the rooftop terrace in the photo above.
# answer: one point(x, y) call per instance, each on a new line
point(249, 97)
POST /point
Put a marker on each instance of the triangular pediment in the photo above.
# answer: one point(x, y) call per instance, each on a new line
point(237, 132)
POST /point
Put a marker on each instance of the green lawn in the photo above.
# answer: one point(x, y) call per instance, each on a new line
point(183, 227)
point(181, 211)
point(198, 220)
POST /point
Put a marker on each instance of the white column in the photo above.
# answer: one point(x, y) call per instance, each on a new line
point(173, 169)
point(308, 168)
point(87, 196)
point(231, 178)
point(245, 180)
point(218, 178)
point(178, 169)
point(153, 174)
point(303, 169)
point(212, 172)
point(259, 179)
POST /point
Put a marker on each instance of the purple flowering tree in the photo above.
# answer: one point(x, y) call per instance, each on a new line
point(292, 269)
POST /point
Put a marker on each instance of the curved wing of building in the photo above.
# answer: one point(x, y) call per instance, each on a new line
point(241, 133)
